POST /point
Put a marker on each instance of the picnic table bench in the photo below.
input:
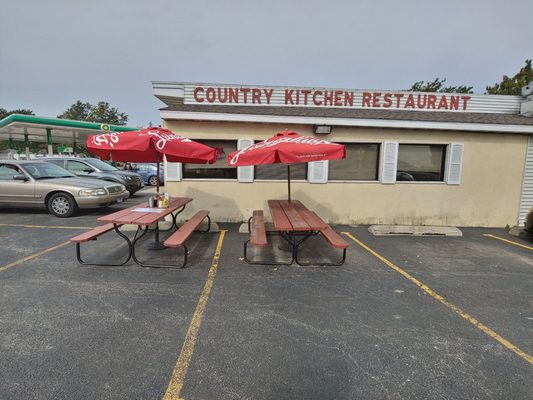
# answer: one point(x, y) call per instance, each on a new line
point(295, 224)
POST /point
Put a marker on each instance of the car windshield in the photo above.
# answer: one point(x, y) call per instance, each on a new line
point(44, 170)
point(101, 165)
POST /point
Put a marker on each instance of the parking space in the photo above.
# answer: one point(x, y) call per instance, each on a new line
point(223, 329)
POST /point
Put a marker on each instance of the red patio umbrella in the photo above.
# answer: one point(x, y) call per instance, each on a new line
point(149, 145)
point(287, 147)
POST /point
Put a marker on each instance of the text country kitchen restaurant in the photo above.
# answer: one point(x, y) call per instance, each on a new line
point(411, 158)
point(333, 98)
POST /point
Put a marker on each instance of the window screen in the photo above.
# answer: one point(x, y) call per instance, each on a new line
point(361, 163)
point(421, 162)
point(279, 171)
point(218, 170)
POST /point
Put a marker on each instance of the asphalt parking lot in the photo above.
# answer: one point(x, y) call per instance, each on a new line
point(404, 317)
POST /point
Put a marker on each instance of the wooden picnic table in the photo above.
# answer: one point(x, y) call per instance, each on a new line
point(294, 223)
point(143, 216)
point(294, 216)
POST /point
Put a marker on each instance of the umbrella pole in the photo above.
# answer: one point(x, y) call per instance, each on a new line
point(289, 181)
point(157, 189)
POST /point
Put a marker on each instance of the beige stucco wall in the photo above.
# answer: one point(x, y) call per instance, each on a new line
point(488, 195)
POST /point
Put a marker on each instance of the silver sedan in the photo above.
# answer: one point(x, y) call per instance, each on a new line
point(37, 183)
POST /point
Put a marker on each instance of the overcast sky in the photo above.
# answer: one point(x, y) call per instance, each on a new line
point(55, 52)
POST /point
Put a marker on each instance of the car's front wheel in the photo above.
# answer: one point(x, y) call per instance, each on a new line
point(152, 181)
point(62, 205)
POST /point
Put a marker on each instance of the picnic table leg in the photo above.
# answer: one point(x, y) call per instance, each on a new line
point(258, 262)
point(328, 264)
point(146, 265)
point(174, 223)
point(117, 230)
point(157, 245)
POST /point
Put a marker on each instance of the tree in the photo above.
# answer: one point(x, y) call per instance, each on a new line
point(514, 85)
point(4, 113)
point(438, 86)
point(101, 112)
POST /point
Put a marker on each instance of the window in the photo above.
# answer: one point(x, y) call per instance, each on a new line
point(59, 163)
point(7, 172)
point(421, 162)
point(279, 171)
point(361, 163)
point(218, 170)
point(77, 167)
point(101, 165)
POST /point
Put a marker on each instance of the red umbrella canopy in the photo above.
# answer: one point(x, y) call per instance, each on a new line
point(149, 145)
point(287, 147)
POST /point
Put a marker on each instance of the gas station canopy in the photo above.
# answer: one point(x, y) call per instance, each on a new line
point(30, 128)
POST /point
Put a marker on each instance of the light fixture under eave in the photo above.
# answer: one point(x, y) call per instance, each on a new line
point(322, 129)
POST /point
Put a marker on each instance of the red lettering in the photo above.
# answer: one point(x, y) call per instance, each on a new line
point(465, 100)
point(431, 101)
point(297, 97)
point(387, 100)
point(315, 101)
point(306, 93)
point(454, 103)
point(348, 99)
point(366, 99)
point(328, 98)
point(443, 103)
point(233, 95)
point(245, 92)
point(221, 98)
point(196, 98)
point(268, 94)
point(410, 102)
point(375, 99)
point(210, 94)
point(398, 98)
point(420, 104)
point(288, 96)
point(256, 96)
point(337, 97)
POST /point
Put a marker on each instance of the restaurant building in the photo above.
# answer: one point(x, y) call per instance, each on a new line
point(411, 158)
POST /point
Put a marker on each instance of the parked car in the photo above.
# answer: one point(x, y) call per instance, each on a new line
point(98, 169)
point(149, 173)
point(37, 183)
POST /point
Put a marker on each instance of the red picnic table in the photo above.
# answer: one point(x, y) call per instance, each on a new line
point(143, 217)
point(295, 223)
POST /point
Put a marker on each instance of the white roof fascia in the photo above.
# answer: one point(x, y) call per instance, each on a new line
point(369, 123)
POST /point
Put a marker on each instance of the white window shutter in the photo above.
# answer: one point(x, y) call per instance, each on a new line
point(317, 171)
point(245, 174)
point(389, 162)
point(454, 163)
point(173, 171)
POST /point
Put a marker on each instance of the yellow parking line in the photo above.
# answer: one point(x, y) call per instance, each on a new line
point(182, 365)
point(441, 299)
point(45, 227)
point(509, 241)
point(33, 256)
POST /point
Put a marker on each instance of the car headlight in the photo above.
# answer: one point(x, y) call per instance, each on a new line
point(92, 192)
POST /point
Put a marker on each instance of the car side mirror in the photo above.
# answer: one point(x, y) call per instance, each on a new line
point(88, 170)
point(20, 177)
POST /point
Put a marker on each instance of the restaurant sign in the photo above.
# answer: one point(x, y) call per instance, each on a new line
point(237, 95)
